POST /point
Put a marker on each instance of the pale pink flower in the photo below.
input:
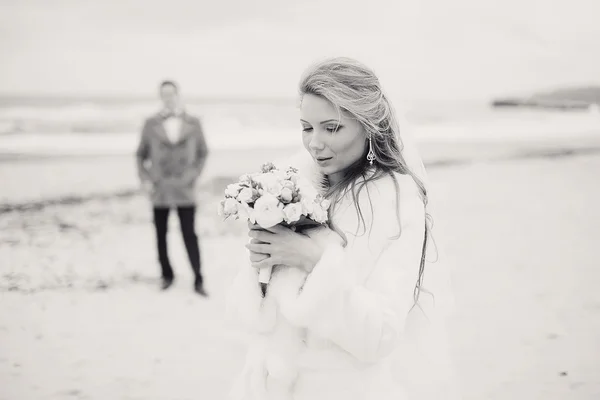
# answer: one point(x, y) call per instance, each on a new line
point(286, 195)
point(306, 189)
point(246, 195)
point(274, 188)
point(271, 182)
point(245, 211)
point(245, 178)
point(288, 184)
point(228, 207)
point(319, 214)
point(232, 190)
point(308, 205)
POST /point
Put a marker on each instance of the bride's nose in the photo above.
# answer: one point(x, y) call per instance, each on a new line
point(316, 141)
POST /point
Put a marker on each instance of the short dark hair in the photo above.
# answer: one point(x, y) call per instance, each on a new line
point(169, 83)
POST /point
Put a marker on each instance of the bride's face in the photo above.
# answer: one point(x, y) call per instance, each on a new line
point(335, 141)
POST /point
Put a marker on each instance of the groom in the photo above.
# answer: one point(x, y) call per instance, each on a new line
point(170, 157)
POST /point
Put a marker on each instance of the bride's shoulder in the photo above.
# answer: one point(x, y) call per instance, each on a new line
point(379, 204)
point(387, 188)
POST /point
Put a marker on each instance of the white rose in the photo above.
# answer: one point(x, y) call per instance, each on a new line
point(292, 212)
point(267, 211)
point(245, 195)
point(232, 190)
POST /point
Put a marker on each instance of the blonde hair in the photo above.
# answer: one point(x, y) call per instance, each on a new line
point(354, 89)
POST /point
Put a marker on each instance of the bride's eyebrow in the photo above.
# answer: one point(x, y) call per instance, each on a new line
point(331, 120)
point(338, 122)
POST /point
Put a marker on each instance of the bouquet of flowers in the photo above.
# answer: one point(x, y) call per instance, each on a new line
point(272, 197)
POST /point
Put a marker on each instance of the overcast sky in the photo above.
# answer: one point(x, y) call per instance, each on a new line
point(422, 49)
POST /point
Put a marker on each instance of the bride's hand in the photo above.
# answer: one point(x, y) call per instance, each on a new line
point(254, 256)
point(281, 245)
point(324, 236)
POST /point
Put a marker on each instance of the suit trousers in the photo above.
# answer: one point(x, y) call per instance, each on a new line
point(186, 221)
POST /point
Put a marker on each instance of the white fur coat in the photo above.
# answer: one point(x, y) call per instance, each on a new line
point(338, 332)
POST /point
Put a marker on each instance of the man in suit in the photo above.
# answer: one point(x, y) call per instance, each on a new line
point(170, 157)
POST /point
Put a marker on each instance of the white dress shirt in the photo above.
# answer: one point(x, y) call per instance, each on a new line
point(172, 126)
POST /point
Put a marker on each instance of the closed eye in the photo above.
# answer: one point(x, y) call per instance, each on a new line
point(307, 129)
point(333, 129)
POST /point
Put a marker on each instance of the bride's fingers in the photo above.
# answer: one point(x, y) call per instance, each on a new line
point(267, 262)
point(262, 236)
point(256, 257)
point(259, 248)
point(277, 229)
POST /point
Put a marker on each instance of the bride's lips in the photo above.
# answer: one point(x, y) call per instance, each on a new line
point(322, 160)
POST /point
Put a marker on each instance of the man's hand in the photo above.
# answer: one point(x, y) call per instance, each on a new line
point(147, 187)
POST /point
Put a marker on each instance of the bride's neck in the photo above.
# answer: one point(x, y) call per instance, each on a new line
point(334, 179)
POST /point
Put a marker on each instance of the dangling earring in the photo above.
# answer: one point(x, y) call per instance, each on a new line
point(370, 154)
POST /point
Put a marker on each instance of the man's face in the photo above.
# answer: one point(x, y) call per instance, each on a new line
point(169, 96)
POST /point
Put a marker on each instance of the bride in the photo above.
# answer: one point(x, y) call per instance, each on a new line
point(349, 311)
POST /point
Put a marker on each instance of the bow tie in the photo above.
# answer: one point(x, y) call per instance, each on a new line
point(170, 114)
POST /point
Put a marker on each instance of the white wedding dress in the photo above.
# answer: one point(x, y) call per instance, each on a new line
point(348, 330)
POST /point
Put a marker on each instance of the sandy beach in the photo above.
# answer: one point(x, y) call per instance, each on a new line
point(81, 316)
point(502, 99)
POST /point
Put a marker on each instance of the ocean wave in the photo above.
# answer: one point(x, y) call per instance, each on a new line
point(88, 117)
point(88, 127)
point(126, 142)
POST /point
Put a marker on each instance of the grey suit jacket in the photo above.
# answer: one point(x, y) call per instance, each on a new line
point(173, 168)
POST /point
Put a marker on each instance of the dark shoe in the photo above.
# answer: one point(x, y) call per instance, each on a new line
point(166, 283)
point(199, 288)
point(263, 289)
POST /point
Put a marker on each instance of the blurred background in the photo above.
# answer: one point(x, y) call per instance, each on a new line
point(502, 97)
